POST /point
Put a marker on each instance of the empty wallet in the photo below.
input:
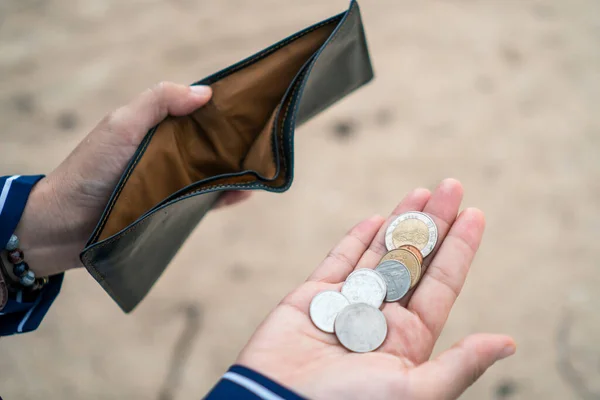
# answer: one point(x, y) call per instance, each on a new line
point(243, 139)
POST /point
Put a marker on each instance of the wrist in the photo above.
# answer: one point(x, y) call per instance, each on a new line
point(50, 235)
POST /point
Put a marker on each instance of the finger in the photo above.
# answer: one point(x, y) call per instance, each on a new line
point(337, 265)
point(442, 208)
point(450, 374)
point(155, 104)
point(232, 197)
point(436, 293)
point(343, 257)
point(414, 201)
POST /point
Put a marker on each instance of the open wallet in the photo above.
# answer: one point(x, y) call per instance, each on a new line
point(243, 139)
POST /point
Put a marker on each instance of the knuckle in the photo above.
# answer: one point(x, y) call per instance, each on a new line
point(445, 278)
point(472, 354)
point(378, 248)
point(475, 374)
point(461, 245)
point(159, 93)
point(355, 233)
point(341, 258)
point(111, 121)
point(159, 87)
point(480, 366)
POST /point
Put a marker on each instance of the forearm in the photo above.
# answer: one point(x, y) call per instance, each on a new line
point(51, 236)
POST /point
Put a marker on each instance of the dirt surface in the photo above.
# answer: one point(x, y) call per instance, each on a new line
point(502, 95)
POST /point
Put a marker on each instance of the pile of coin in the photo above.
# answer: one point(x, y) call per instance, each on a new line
point(353, 314)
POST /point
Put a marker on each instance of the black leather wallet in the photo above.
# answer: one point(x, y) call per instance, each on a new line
point(243, 139)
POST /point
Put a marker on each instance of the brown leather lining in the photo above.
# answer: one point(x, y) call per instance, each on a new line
point(230, 134)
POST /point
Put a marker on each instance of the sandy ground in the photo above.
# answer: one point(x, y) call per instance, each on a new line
point(502, 95)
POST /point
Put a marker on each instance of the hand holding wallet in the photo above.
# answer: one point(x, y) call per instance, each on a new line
point(243, 139)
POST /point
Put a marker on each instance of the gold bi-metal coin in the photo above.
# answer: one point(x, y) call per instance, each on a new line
point(414, 228)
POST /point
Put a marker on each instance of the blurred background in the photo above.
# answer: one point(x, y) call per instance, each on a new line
point(502, 95)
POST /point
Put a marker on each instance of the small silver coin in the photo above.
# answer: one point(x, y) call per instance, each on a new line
point(360, 327)
point(369, 271)
point(432, 234)
point(325, 307)
point(365, 287)
point(397, 278)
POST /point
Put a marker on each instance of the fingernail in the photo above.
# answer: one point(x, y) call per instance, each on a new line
point(507, 351)
point(201, 91)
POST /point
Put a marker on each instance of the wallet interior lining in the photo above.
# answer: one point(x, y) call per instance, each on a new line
point(230, 134)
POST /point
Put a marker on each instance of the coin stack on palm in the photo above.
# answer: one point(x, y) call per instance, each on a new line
point(410, 238)
point(354, 315)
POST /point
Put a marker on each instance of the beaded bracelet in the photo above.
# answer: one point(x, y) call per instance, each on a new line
point(26, 277)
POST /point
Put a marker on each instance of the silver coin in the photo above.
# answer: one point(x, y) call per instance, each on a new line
point(365, 287)
point(324, 307)
point(397, 278)
point(427, 248)
point(360, 327)
point(370, 271)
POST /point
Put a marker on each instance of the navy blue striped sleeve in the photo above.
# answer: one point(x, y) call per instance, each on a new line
point(245, 384)
point(21, 314)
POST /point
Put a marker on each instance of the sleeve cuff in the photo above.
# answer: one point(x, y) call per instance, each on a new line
point(14, 192)
point(243, 383)
point(19, 317)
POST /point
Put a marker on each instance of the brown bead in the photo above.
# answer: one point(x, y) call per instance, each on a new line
point(15, 256)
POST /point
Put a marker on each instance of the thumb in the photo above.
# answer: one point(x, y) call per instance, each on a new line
point(155, 104)
point(453, 371)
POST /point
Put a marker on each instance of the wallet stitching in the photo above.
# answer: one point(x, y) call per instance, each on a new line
point(219, 76)
point(139, 156)
point(281, 144)
point(86, 257)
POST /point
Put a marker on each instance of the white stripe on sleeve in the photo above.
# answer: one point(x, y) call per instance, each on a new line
point(252, 386)
point(26, 317)
point(5, 189)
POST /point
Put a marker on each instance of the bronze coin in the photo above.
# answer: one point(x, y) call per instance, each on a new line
point(407, 258)
point(417, 253)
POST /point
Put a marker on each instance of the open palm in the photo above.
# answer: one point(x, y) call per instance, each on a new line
point(288, 348)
